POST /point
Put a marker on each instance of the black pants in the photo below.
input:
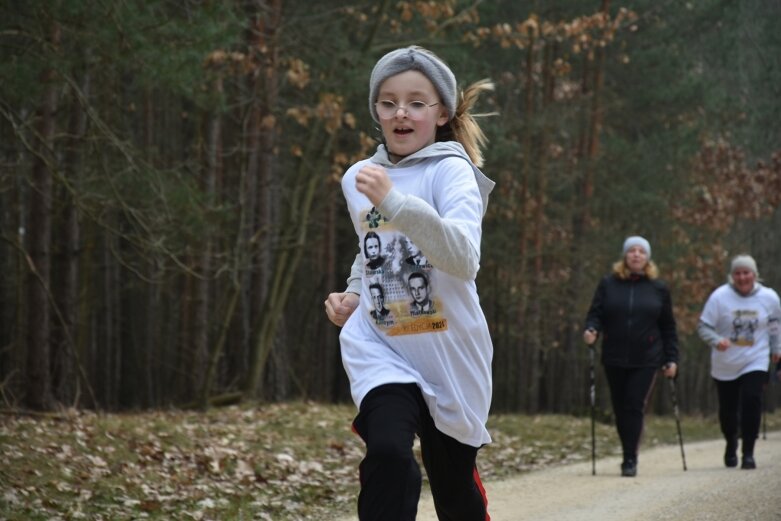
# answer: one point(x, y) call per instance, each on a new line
point(389, 418)
point(740, 407)
point(630, 388)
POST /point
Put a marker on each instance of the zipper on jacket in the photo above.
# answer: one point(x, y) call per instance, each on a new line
point(629, 317)
point(631, 305)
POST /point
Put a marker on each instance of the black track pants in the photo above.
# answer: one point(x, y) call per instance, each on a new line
point(740, 408)
point(630, 388)
point(389, 418)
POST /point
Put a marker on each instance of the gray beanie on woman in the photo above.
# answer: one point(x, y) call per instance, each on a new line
point(744, 261)
point(414, 58)
point(636, 240)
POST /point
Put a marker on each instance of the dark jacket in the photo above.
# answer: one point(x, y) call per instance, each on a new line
point(635, 320)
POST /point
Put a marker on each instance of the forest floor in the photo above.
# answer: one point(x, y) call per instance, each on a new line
point(298, 461)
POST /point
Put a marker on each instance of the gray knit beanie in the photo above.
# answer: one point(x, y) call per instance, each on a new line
point(636, 240)
point(744, 261)
point(416, 59)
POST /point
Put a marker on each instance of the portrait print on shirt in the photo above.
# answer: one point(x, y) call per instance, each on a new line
point(372, 250)
point(381, 315)
point(421, 303)
point(399, 280)
point(417, 258)
point(744, 323)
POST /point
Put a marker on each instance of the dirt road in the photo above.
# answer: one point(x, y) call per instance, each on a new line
point(661, 491)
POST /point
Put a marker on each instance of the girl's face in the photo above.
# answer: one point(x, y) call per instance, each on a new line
point(743, 280)
point(636, 258)
point(405, 133)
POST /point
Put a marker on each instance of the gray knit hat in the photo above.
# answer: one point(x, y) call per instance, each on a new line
point(636, 240)
point(744, 261)
point(416, 59)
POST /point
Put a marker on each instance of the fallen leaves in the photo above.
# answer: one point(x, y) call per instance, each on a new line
point(274, 462)
point(286, 462)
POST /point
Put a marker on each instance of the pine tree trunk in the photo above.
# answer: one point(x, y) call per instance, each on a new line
point(39, 393)
point(541, 343)
point(65, 358)
point(109, 348)
point(250, 230)
point(269, 182)
point(592, 80)
point(12, 355)
point(265, 18)
point(323, 378)
point(203, 305)
point(528, 384)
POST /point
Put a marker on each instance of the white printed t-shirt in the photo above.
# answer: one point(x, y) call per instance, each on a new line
point(425, 324)
point(746, 322)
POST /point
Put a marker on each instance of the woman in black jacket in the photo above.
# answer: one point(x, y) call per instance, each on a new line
point(632, 311)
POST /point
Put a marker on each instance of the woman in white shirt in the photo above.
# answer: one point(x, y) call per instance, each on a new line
point(740, 324)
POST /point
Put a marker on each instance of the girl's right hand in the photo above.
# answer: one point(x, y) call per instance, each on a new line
point(339, 307)
point(373, 182)
point(589, 336)
point(723, 344)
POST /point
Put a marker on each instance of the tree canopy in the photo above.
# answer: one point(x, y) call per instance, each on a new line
point(171, 216)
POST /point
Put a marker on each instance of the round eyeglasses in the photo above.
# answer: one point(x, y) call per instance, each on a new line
point(416, 110)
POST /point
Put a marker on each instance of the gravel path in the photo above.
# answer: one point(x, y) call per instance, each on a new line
point(661, 490)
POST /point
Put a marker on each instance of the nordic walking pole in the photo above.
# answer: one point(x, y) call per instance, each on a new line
point(764, 411)
point(592, 394)
point(677, 418)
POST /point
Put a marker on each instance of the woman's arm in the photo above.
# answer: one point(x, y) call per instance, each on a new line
point(668, 329)
point(709, 335)
point(594, 316)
